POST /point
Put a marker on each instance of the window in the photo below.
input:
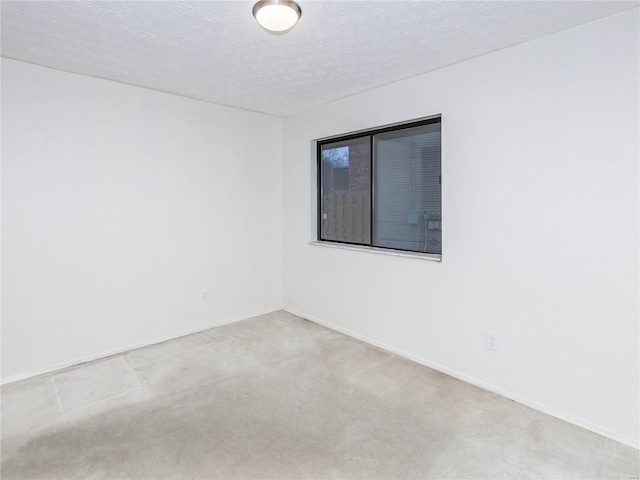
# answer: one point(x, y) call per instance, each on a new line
point(382, 188)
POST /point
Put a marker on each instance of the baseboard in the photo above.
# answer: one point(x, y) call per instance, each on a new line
point(605, 432)
point(132, 346)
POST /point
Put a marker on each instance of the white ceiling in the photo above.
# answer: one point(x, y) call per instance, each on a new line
point(215, 51)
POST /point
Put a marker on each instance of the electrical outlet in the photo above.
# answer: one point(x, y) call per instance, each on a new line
point(205, 296)
point(492, 341)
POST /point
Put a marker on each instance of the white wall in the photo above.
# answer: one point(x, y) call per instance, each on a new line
point(540, 217)
point(120, 206)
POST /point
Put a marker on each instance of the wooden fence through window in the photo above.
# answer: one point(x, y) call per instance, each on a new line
point(346, 217)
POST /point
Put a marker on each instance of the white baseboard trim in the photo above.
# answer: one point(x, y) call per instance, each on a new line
point(605, 432)
point(132, 346)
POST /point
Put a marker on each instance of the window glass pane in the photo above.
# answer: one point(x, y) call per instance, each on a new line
point(407, 204)
point(345, 184)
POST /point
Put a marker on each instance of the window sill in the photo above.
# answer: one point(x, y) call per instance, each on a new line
point(434, 257)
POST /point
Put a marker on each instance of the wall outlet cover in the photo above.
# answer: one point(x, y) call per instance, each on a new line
point(491, 341)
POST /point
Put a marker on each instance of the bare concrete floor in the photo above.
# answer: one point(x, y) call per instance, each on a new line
point(279, 397)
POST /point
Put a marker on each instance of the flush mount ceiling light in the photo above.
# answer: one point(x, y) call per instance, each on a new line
point(277, 15)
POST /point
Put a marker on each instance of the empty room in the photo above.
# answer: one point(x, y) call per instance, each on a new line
point(320, 239)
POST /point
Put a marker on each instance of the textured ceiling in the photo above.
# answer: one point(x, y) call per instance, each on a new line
point(215, 51)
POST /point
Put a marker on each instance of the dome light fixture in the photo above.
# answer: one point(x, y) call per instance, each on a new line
point(277, 15)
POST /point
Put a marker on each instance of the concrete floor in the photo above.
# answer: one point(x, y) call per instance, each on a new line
point(279, 397)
